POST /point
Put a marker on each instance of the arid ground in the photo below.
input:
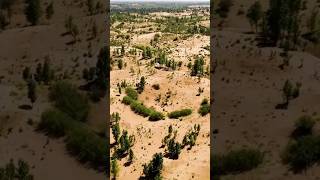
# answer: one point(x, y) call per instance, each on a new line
point(177, 90)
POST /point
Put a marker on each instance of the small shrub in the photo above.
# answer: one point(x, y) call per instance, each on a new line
point(303, 126)
point(180, 113)
point(204, 107)
point(156, 86)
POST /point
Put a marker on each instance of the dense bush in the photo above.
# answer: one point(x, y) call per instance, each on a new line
point(155, 116)
point(156, 86)
point(204, 107)
point(180, 113)
point(140, 109)
point(302, 153)
point(55, 123)
point(127, 100)
point(87, 146)
point(132, 93)
point(303, 126)
point(153, 169)
point(67, 99)
point(237, 161)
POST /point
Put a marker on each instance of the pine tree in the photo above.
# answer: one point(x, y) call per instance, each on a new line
point(255, 14)
point(115, 168)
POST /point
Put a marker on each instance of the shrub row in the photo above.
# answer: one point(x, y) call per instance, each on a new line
point(180, 113)
point(141, 109)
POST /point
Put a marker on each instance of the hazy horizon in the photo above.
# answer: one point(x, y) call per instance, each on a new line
point(172, 1)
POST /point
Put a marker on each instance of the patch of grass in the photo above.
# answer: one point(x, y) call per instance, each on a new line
point(180, 113)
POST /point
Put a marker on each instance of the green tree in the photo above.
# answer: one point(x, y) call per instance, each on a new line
point(141, 84)
point(49, 11)
point(254, 14)
point(287, 91)
point(32, 86)
point(26, 73)
point(33, 11)
point(116, 132)
point(154, 168)
point(115, 169)
point(46, 72)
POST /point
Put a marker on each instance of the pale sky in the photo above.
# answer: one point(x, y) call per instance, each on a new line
point(194, 1)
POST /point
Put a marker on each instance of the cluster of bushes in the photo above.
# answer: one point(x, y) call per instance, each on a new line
point(303, 150)
point(67, 99)
point(204, 107)
point(11, 171)
point(173, 148)
point(191, 136)
point(43, 72)
point(153, 169)
point(179, 113)
point(163, 60)
point(123, 141)
point(236, 161)
point(146, 52)
point(138, 107)
point(178, 25)
point(197, 69)
point(198, 29)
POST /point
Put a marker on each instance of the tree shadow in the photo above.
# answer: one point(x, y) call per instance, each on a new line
point(25, 107)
